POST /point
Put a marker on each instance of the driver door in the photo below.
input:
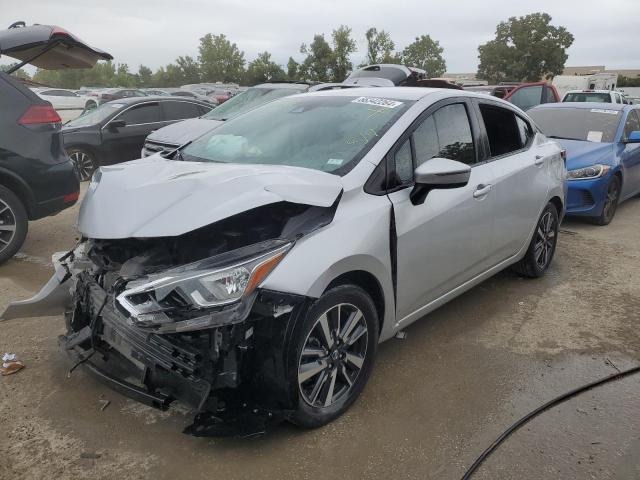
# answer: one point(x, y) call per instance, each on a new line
point(445, 241)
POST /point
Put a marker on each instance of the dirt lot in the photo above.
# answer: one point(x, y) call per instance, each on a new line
point(436, 399)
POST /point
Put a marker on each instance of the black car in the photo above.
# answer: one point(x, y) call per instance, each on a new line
point(36, 177)
point(115, 132)
point(110, 94)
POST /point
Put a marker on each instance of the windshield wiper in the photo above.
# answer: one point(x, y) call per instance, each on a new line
point(564, 138)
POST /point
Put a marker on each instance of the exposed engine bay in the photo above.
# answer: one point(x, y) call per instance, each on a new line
point(182, 318)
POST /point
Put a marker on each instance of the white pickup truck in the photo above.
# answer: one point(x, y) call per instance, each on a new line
point(600, 96)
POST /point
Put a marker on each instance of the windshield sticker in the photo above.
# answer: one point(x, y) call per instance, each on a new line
point(335, 161)
point(378, 102)
point(594, 136)
point(602, 110)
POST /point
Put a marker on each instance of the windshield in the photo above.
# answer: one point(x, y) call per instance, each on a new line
point(247, 100)
point(95, 116)
point(328, 133)
point(587, 97)
point(591, 124)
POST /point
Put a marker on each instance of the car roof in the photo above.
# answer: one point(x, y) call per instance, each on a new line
point(589, 90)
point(584, 105)
point(153, 98)
point(395, 93)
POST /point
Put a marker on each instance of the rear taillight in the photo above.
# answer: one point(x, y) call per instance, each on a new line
point(37, 114)
point(563, 155)
point(71, 197)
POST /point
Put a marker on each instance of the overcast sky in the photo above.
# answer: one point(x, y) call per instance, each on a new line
point(155, 32)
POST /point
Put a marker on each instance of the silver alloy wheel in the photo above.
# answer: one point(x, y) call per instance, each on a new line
point(7, 225)
point(333, 355)
point(545, 240)
point(83, 163)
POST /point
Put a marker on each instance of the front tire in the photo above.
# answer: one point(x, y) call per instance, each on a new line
point(610, 202)
point(85, 163)
point(332, 354)
point(543, 245)
point(13, 224)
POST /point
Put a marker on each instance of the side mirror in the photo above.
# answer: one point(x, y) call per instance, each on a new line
point(117, 124)
point(634, 137)
point(438, 173)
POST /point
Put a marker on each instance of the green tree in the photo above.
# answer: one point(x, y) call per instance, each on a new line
point(292, 69)
point(145, 76)
point(343, 47)
point(220, 60)
point(20, 73)
point(189, 70)
point(263, 69)
point(525, 49)
point(317, 65)
point(425, 53)
point(380, 47)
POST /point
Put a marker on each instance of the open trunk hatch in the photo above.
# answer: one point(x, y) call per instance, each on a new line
point(49, 47)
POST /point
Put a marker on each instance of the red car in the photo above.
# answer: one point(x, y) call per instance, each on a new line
point(523, 95)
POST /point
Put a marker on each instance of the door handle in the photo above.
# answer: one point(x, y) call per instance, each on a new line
point(481, 191)
point(538, 160)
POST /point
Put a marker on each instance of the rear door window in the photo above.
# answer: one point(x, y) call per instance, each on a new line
point(504, 132)
point(144, 113)
point(180, 110)
point(527, 97)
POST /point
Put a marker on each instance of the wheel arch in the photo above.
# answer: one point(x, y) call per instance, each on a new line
point(19, 188)
point(369, 283)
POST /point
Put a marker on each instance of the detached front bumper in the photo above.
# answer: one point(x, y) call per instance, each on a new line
point(224, 374)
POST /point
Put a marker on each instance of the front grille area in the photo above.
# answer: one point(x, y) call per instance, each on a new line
point(151, 147)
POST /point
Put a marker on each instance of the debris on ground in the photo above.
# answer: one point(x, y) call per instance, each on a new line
point(401, 335)
point(90, 455)
point(104, 404)
point(10, 364)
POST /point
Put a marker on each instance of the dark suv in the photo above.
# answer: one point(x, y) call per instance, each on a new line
point(37, 178)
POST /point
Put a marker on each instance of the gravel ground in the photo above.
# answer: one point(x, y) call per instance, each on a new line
point(435, 401)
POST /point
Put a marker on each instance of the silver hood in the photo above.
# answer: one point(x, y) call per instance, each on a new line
point(155, 197)
point(182, 132)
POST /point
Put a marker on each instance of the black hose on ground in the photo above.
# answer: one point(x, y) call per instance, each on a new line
point(539, 410)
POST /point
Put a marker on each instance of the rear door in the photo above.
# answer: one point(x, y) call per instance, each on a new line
point(521, 182)
point(445, 241)
point(125, 143)
point(176, 110)
point(630, 156)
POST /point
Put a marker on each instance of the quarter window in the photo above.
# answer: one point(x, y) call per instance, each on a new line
point(445, 134)
point(503, 131)
point(526, 132)
point(145, 113)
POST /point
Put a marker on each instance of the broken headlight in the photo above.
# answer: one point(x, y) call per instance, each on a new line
point(192, 294)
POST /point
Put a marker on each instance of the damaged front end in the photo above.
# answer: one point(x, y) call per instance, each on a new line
point(184, 318)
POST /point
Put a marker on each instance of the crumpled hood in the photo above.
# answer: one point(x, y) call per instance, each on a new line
point(182, 132)
point(155, 197)
point(583, 153)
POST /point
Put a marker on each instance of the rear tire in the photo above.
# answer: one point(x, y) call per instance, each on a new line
point(543, 245)
point(610, 202)
point(328, 374)
point(13, 224)
point(84, 162)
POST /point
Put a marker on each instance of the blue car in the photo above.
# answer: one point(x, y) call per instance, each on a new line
point(602, 142)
